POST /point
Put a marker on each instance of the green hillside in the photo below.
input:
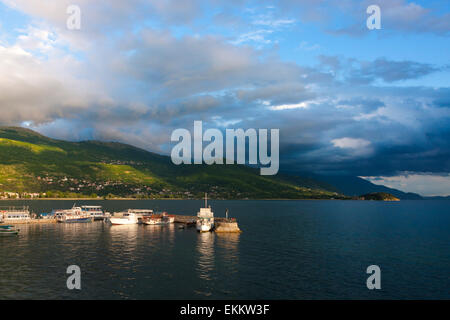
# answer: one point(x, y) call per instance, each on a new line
point(32, 163)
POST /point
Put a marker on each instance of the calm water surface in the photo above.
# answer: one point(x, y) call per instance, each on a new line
point(288, 250)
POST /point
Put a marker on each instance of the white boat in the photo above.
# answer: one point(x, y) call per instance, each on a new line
point(127, 217)
point(96, 212)
point(141, 214)
point(205, 218)
point(73, 215)
point(9, 214)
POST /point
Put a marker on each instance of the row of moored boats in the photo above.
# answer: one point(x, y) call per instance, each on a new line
point(130, 216)
point(77, 214)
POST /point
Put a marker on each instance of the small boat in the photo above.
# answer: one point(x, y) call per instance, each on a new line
point(155, 219)
point(166, 218)
point(127, 217)
point(159, 219)
point(8, 231)
point(205, 218)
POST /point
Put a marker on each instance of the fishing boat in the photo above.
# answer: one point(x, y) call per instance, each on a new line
point(159, 219)
point(152, 220)
point(167, 218)
point(128, 217)
point(8, 231)
point(73, 215)
point(205, 218)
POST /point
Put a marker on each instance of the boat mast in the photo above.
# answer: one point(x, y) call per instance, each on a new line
point(206, 200)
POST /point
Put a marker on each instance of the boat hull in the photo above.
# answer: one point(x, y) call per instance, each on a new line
point(152, 222)
point(120, 221)
point(6, 233)
point(78, 220)
point(202, 227)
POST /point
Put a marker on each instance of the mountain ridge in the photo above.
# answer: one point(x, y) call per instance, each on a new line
point(33, 163)
point(356, 186)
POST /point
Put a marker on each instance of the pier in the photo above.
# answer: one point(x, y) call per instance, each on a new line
point(222, 225)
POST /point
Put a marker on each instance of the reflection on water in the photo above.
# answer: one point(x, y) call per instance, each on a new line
point(229, 243)
point(205, 249)
point(124, 242)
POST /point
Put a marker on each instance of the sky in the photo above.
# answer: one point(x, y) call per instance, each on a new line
point(347, 100)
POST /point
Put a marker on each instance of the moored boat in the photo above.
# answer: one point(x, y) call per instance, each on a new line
point(96, 212)
point(159, 219)
point(141, 214)
point(155, 219)
point(205, 218)
point(18, 214)
point(123, 218)
point(73, 215)
point(8, 231)
point(167, 218)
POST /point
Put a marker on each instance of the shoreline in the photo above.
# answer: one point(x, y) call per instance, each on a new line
point(177, 199)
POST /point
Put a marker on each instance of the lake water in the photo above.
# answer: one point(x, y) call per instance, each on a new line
point(287, 250)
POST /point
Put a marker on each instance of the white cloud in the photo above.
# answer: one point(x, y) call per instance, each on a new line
point(274, 23)
point(39, 81)
point(258, 36)
point(301, 105)
point(350, 143)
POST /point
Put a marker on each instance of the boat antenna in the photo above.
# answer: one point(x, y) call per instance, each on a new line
point(206, 200)
point(226, 214)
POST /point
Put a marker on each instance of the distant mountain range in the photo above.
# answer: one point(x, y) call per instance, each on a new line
point(355, 186)
point(32, 163)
